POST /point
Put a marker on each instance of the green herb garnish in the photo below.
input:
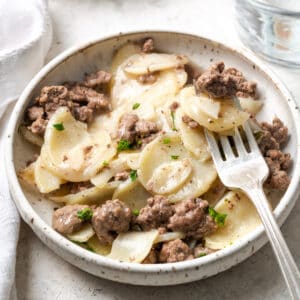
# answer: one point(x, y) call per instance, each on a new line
point(218, 217)
point(59, 126)
point(105, 163)
point(85, 214)
point(166, 141)
point(173, 121)
point(174, 157)
point(136, 212)
point(133, 175)
point(123, 145)
point(136, 106)
point(202, 254)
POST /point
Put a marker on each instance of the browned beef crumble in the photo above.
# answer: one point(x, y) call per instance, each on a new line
point(137, 132)
point(189, 122)
point(121, 176)
point(174, 106)
point(191, 217)
point(111, 218)
point(174, 251)
point(151, 257)
point(220, 82)
point(148, 45)
point(156, 213)
point(273, 137)
point(65, 219)
point(82, 99)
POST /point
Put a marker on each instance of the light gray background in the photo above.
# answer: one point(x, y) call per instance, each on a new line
point(40, 274)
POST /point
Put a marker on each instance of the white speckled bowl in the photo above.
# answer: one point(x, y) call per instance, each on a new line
point(71, 65)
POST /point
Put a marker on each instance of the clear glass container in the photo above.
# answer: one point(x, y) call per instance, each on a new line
point(271, 28)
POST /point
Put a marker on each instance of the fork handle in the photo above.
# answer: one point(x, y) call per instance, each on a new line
point(284, 257)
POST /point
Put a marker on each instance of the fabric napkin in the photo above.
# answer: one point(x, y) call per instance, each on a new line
point(25, 35)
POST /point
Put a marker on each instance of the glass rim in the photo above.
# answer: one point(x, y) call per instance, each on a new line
point(274, 9)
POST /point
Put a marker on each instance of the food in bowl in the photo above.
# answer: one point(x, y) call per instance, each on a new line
point(125, 155)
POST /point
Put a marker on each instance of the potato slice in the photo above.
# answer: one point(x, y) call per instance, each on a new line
point(27, 174)
point(193, 138)
point(229, 116)
point(133, 246)
point(92, 195)
point(83, 235)
point(169, 236)
point(250, 105)
point(34, 139)
point(169, 176)
point(97, 247)
point(72, 153)
point(46, 181)
point(132, 159)
point(164, 149)
point(132, 193)
point(139, 64)
point(215, 192)
point(242, 218)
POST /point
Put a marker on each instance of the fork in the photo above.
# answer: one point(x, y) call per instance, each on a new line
point(246, 169)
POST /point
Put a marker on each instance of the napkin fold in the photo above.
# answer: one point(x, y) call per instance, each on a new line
point(25, 35)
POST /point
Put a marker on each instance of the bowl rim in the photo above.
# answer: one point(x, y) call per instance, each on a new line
point(39, 225)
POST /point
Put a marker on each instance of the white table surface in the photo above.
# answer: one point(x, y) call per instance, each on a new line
point(40, 274)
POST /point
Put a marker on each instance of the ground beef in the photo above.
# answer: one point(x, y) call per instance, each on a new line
point(77, 187)
point(202, 251)
point(82, 100)
point(191, 217)
point(111, 218)
point(97, 78)
point(174, 251)
point(137, 132)
point(220, 82)
point(121, 176)
point(151, 258)
point(65, 219)
point(148, 45)
point(149, 78)
point(189, 122)
point(174, 106)
point(156, 213)
point(273, 136)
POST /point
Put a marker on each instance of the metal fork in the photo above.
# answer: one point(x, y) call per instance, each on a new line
point(246, 169)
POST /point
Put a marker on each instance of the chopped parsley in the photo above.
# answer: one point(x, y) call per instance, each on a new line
point(173, 121)
point(136, 106)
point(105, 163)
point(123, 145)
point(202, 254)
point(133, 175)
point(85, 214)
point(59, 126)
point(136, 212)
point(218, 217)
point(166, 141)
point(174, 157)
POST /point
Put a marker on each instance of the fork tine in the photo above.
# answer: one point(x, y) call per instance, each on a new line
point(214, 148)
point(226, 147)
point(239, 144)
point(250, 137)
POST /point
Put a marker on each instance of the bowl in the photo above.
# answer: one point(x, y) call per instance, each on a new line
point(72, 65)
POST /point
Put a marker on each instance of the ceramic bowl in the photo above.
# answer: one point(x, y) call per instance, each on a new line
point(71, 65)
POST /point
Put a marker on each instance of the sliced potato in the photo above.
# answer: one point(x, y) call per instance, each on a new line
point(132, 193)
point(169, 236)
point(215, 192)
point(131, 158)
point(46, 181)
point(83, 235)
point(27, 174)
point(229, 116)
point(31, 137)
point(139, 64)
point(133, 246)
point(250, 105)
point(165, 149)
point(242, 218)
point(97, 247)
point(193, 138)
point(72, 153)
point(92, 195)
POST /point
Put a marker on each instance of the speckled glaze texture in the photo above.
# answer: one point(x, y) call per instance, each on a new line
point(71, 65)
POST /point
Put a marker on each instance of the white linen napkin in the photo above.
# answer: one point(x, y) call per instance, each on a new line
point(25, 35)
